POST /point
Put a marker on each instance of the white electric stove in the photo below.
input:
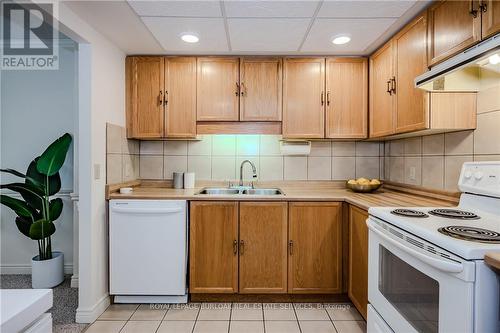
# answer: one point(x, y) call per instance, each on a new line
point(426, 268)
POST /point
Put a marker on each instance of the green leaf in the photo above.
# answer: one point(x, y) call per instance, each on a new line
point(36, 177)
point(13, 172)
point(23, 225)
point(41, 229)
point(18, 206)
point(32, 194)
point(55, 209)
point(53, 157)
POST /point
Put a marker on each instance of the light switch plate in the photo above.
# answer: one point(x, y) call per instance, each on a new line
point(412, 173)
point(97, 171)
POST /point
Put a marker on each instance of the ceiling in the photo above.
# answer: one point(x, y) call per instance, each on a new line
point(247, 27)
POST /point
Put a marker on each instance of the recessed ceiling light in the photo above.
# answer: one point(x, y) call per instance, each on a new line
point(339, 40)
point(190, 38)
point(494, 59)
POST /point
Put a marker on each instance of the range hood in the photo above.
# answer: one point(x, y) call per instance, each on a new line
point(470, 70)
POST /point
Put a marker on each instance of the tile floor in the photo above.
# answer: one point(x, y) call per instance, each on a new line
point(230, 317)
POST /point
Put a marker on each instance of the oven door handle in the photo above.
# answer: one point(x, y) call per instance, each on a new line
point(442, 265)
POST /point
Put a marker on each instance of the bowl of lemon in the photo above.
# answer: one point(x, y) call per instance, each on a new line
point(363, 185)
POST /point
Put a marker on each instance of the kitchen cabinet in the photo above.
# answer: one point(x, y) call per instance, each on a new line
point(260, 89)
point(490, 15)
point(304, 98)
point(218, 89)
point(346, 98)
point(357, 289)
point(315, 248)
point(144, 97)
point(213, 247)
point(263, 247)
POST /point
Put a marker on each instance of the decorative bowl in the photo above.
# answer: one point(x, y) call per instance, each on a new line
point(362, 188)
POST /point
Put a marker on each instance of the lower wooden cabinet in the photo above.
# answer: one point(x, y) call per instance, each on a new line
point(213, 241)
point(358, 259)
point(263, 245)
point(315, 248)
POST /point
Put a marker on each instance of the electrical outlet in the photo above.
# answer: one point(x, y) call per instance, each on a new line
point(413, 172)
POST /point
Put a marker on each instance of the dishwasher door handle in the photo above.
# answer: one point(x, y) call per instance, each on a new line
point(137, 210)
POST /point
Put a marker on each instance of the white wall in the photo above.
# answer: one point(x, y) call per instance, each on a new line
point(101, 100)
point(36, 108)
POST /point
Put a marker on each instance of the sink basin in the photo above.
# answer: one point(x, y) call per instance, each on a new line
point(219, 191)
point(263, 191)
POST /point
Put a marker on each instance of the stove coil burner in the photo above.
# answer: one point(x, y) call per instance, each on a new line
point(408, 212)
point(471, 234)
point(454, 214)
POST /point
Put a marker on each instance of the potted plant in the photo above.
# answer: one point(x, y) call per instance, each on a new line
point(37, 210)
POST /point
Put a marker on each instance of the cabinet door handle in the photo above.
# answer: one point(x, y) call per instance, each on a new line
point(290, 247)
point(243, 89)
point(235, 247)
point(472, 10)
point(237, 92)
point(160, 98)
point(322, 98)
point(389, 87)
point(165, 100)
point(328, 98)
point(483, 6)
point(393, 85)
point(242, 247)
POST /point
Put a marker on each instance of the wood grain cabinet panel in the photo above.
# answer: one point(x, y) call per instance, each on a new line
point(144, 97)
point(261, 89)
point(315, 248)
point(410, 51)
point(263, 247)
point(304, 98)
point(180, 97)
point(490, 17)
point(358, 259)
point(453, 27)
point(217, 89)
point(346, 97)
point(213, 247)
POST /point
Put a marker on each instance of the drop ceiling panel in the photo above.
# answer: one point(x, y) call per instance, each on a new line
point(168, 31)
point(270, 8)
point(363, 32)
point(364, 8)
point(177, 8)
point(267, 35)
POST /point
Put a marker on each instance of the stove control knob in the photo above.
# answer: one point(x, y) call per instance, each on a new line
point(468, 174)
point(478, 175)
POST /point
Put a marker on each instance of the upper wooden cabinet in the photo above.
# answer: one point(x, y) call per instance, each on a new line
point(490, 17)
point(260, 89)
point(315, 248)
point(346, 98)
point(304, 98)
point(144, 97)
point(218, 89)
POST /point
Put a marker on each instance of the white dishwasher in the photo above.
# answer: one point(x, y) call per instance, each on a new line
point(148, 251)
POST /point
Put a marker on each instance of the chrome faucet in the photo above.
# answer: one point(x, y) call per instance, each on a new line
point(241, 171)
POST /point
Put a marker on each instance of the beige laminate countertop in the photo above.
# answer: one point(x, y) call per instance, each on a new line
point(382, 197)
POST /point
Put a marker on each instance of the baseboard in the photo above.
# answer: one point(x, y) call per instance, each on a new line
point(74, 281)
point(26, 269)
point(89, 315)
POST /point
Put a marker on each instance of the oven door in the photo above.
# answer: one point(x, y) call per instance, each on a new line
point(416, 286)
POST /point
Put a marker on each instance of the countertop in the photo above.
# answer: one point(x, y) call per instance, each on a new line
point(493, 259)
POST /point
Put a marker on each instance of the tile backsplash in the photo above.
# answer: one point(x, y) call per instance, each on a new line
point(218, 157)
point(122, 155)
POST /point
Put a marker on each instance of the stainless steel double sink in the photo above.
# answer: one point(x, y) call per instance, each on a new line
point(235, 191)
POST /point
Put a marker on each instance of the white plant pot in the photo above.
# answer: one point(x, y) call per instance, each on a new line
point(47, 273)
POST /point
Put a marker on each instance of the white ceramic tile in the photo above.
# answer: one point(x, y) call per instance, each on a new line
point(247, 145)
point(413, 164)
point(151, 148)
point(396, 169)
point(488, 99)
point(433, 172)
point(171, 326)
point(367, 167)
point(343, 312)
point(224, 145)
point(319, 168)
point(246, 326)
point(201, 166)
point(114, 168)
point(279, 312)
point(295, 168)
point(175, 148)
point(271, 168)
point(397, 148)
point(343, 168)
point(282, 327)
point(486, 157)
point(130, 166)
point(270, 145)
point(310, 311)
point(433, 144)
point(413, 146)
point(316, 327)
point(321, 148)
point(149, 312)
point(459, 143)
point(367, 149)
point(182, 312)
point(202, 147)
point(382, 167)
point(223, 168)
point(118, 312)
point(387, 148)
point(105, 327)
point(247, 311)
point(247, 168)
point(343, 149)
point(129, 146)
point(350, 326)
point(173, 164)
point(140, 327)
point(113, 139)
point(215, 311)
point(452, 167)
point(151, 167)
point(487, 134)
point(211, 327)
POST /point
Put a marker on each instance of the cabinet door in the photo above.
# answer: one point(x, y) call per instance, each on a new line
point(346, 97)
point(260, 97)
point(217, 89)
point(144, 95)
point(410, 61)
point(490, 18)
point(213, 240)
point(315, 248)
point(180, 97)
point(304, 98)
point(263, 245)
point(381, 99)
point(358, 259)
point(453, 26)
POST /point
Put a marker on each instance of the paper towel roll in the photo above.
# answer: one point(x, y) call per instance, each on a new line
point(295, 147)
